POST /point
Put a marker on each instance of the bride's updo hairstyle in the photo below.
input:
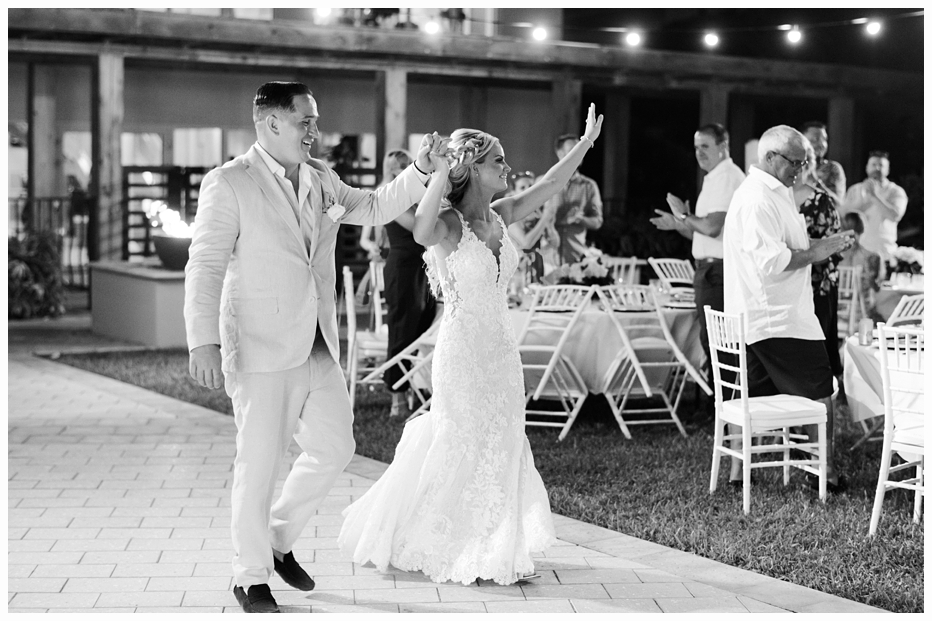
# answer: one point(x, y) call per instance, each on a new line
point(467, 147)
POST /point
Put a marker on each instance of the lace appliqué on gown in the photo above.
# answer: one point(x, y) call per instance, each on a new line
point(462, 498)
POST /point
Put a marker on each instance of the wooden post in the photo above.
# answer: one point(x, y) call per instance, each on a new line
point(107, 169)
point(841, 135)
point(392, 99)
point(45, 163)
point(741, 129)
point(713, 108)
point(566, 103)
point(616, 140)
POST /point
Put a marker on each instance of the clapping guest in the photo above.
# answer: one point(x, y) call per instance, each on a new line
point(817, 205)
point(411, 307)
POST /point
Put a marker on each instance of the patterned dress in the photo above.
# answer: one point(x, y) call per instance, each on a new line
point(822, 221)
point(462, 498)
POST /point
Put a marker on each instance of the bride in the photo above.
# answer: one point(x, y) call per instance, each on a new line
point(462, 499)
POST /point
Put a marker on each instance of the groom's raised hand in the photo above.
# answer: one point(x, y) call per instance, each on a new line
point(430, 142)
point(204, 364)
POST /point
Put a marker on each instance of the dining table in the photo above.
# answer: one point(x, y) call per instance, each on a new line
point(864, 386)
point(594, 342)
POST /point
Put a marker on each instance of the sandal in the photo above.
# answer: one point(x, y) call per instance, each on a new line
point(527, 577)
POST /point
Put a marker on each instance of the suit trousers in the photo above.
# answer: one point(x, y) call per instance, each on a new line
point(311, 404)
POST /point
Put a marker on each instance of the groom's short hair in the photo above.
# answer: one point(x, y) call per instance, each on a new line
point(277, 95)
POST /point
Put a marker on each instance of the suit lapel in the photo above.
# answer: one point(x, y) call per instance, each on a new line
point(264, 178)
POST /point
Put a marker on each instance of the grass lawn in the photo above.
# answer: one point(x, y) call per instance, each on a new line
point(656, 487)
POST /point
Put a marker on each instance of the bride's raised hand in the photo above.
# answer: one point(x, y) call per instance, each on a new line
point(593, 124)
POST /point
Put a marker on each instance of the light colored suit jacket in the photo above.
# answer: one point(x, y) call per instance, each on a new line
point(250, 284)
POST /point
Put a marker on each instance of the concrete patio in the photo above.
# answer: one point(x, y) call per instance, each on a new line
point(119, 502)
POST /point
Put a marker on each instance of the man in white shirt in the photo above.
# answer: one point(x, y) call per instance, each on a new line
point(881, 204)
point(768, 258)
point(705, 227)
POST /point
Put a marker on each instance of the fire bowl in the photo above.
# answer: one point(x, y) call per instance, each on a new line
point(172, 251)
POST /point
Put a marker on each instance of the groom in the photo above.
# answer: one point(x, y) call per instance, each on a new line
point(261, 321)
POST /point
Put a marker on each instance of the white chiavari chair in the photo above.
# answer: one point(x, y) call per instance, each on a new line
point(622, 269)
point(649, 363)
point(548, 373)
point(902, 370)
point(364, 348)
point(675, 274)
point(909, 311)
point(762, 416)
point(850, 301)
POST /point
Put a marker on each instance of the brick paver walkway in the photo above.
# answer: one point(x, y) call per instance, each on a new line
point(119, 502)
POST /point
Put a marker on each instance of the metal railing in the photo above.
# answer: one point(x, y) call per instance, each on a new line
point(65, 217)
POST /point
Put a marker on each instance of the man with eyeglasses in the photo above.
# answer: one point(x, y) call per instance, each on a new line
point(768, 258)
point(881, 204)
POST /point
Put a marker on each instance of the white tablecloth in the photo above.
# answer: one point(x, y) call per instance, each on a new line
point(863, 381)
point(594, 342)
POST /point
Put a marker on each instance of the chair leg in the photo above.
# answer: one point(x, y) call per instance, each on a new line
point(823, 461)
point(920, 488)
point(353, 373)
point(786, 456)
point(716, 453)
point(572, 418)
point(614, 407)
point(746, 451)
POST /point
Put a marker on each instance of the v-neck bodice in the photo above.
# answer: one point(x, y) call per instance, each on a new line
point(472, 274)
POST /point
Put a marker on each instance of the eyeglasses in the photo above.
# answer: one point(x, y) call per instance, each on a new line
point(797, 164)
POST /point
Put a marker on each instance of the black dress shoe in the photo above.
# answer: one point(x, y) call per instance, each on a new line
point(292, 573)
point(259, 599)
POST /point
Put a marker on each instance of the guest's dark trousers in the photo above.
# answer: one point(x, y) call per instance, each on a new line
point(709, 285)
point(826, 309)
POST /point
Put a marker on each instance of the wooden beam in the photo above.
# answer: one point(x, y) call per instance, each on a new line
point(294, 38)
point(841, 127)
point(318, 61)
point(107, 170)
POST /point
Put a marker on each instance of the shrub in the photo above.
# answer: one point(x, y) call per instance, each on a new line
point(35, 278)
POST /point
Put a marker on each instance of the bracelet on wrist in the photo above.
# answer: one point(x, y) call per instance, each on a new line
point(587, 139)
point(419, 169)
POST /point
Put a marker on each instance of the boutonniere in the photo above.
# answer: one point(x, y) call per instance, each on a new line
point(335, 212)
point(332, 208)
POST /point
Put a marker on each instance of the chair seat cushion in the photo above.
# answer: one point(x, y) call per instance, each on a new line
point(776, 411)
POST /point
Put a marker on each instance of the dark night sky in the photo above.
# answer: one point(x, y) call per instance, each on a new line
point(899, 46)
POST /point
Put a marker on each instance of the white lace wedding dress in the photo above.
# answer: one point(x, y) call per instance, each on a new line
point(462, 498)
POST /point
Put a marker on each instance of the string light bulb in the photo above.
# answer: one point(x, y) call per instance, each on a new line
point(323, 13)
point(432, 27)
point(794, 36)
point(539, 33)
point(633, 39)
point(873, 28)
point(710, 40)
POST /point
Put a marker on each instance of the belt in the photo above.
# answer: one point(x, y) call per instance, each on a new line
point(709, 260)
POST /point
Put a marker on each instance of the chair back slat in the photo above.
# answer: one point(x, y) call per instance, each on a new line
point(623, 270)
point(673, 272)
point(910, 310)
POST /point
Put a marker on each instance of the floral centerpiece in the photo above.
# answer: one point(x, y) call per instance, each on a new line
point(907, 260)
point(590, 270)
